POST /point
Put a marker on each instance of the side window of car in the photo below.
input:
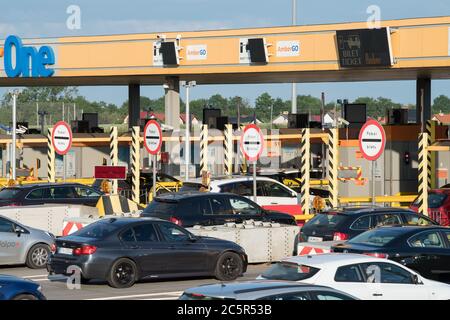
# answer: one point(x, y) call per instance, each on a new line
point(348, 273)
point(62, 193)
point(447, 234)
point(36, 194)
point(277, 190)
point(6, 226)
point(388, 219)
point(416, 220)
point(386, 273)
point(291, 296)
point(145, 233)
point(86, 192)
point(220, 206)
point(243, 207)
point(128, 235)
point(196, 206)
point(172, 233)
point(427, 239)
point(326, 295)
point(362, 223)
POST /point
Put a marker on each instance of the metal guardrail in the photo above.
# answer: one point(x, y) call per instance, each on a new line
point(23, 181)
point(393, 200)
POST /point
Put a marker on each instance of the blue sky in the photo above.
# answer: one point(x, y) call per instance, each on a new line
point(47, 18)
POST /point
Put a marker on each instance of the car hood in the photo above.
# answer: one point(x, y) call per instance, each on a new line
point(212, 241)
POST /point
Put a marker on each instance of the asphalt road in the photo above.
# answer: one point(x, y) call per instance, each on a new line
point(55, 287)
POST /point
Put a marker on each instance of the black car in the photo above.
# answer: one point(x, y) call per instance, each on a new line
point(424, 249)
point(49, 193)
point(208, 208)
point(124, 250)
point(346, 223)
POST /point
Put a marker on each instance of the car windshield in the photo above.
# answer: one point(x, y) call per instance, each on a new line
point(289, 271)
point(377, 237)
point(330, 219)
point(161, 208)
point(8, 193)
point(97, 230)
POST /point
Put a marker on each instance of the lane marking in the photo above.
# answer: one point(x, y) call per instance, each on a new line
point(140, 295)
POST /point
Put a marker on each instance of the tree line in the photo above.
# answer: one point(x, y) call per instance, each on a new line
point(50, 100)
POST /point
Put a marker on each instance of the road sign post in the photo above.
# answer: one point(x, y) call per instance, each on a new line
point(252, 144)
point(153, 142)
point(372, 140)
point(62, 141)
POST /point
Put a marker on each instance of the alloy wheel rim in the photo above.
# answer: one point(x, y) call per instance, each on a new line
point(39, 257)
point(124, 273)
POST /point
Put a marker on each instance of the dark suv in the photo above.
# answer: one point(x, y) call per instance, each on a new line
point(198, 208)
point(35, 194)
point(346, 223)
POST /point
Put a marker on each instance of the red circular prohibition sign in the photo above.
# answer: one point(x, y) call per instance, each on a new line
point(69, 145)
point(383, 140)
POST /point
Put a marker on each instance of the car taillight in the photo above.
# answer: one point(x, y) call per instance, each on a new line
point(175, 220)
point(377, 255)
point(337, 236)
point(84, 250)
point(14, 204)
point(53, 248)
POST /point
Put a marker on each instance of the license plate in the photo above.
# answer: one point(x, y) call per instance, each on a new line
point(315, 239)
point(65, 250)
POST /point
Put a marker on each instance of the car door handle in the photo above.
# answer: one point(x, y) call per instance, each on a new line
point(377, 294)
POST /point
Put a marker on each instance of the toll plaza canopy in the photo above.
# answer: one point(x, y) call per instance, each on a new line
point(418, 48)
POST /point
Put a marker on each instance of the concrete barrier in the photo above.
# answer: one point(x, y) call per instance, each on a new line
point(48, 217)
point(310, 248)
point(262, 241)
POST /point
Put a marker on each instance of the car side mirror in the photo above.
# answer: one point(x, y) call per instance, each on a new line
point(192, 237)
point(18, 230)
point(415, 279)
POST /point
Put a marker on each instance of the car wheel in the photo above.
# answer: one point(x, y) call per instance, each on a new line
point(24, 297)
point(229, 266)
point(38, 256)
point(123, 274)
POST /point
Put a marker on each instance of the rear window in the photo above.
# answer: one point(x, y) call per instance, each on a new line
point(9, 193)
point(330, 219)
point(97, 230)
point(161, 208)
point(289, 271)
point(377, 237)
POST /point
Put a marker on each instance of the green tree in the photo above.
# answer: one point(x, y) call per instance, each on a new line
point(441, 104)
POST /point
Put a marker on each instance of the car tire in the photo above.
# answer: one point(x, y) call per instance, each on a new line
point(123, 274)
point(25, 297)
point(229, 266)
point(37, 256)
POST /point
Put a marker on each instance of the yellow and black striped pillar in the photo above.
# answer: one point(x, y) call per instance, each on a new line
point(333, 160)
point(204, 149)
point(424, 171)
point(431, 130)
point(242, 160)
point(228, 149)
point(135, 164)
point(114, 154)
point(305, 157)
point(50, 157)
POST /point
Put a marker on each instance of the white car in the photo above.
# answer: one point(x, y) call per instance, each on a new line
point(271, 194)
point(362, 276)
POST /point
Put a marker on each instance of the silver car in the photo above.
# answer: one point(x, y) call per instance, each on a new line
point(20, 244)
point(264, 290)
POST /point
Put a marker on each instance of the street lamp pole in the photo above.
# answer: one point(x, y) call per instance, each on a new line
point(13, 134)
point(187, 145)
point(294, 85)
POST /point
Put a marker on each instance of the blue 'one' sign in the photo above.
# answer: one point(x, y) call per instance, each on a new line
point(26, 59)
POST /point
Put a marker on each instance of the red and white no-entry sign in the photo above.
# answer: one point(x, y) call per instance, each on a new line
point(152, 137)
point(61, 137)
point(252, 142)
point(372, 140)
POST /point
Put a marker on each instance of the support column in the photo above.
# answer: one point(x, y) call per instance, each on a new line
point(135, 164)
point(333, 161)
point(424, 171)
point(228, 149)
point(114, 154)
point(50, 157)
point(305, 158)
point(172, 119)
point(423, 85)
point(204, 149)
point(134, 105)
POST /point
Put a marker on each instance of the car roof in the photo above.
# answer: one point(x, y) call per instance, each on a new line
point(327, 260)
point(37, 185)
point(251, 288)
point(177, 196)
point(369, 209)
point(127, 220)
